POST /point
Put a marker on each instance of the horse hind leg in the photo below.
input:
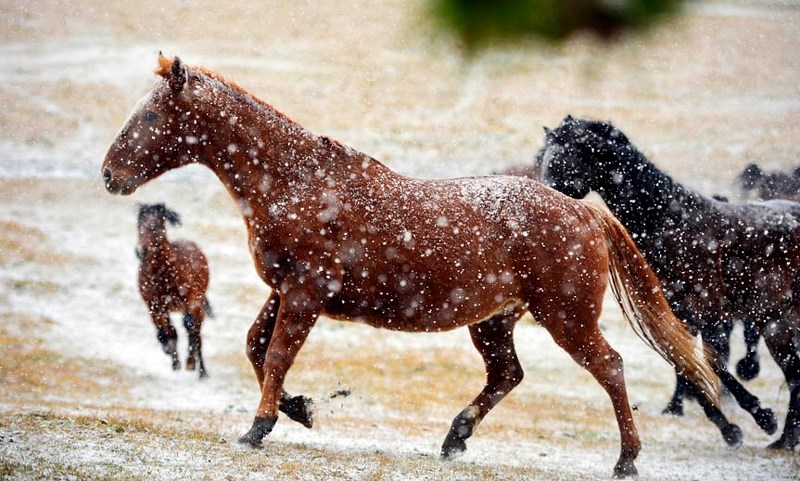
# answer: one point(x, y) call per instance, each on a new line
point(783, 346)
point(748, 367)
point(193, 322)
point(578, 334)
point(495, 342)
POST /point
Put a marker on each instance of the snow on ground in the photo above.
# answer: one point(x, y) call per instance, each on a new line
point(703, 96)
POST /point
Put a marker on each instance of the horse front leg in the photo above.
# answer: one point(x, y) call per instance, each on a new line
point(193, 322)
point(291, 328)
point(495, 341)
point(298, 408)
point(781, 340)
point(166, 335)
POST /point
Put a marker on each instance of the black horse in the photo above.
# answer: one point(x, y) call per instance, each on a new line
point(717, 261)
point(770, 185)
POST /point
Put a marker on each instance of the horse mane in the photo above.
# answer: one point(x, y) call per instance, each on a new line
point(164, 70)
point(160, 210)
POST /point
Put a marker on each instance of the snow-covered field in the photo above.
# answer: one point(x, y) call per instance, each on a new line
point(85, 391)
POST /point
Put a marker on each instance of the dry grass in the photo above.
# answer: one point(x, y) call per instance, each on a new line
point(31, 372)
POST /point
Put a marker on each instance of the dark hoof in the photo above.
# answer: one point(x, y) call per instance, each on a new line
point(783, 444)
point(766, 420)
point(203, 374)
point(747, 369)
point(625, 469)
point(453, 447)
point(261, 427)
point(299, 409)
point(673, 409)
point(176, 364)
point(732, 435)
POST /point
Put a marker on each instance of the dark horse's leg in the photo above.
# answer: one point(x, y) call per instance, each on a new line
point(747, 368)
point(718, 340)
point(494, 339)
point(682, 387)
point(298, 408)
point(782, 341)
point(166, 335)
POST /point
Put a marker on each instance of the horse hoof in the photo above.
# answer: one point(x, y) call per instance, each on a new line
point(625, 469)
point(732, 435)
point(203, 374)
point(299, 409)
point(747, 369)
point(766, 420)
point(453, 447)
point(190, 364)
point(260, 428)
point(673, 409)
point(176, 365)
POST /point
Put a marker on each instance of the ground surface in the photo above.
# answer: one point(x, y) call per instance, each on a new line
point(84, 389)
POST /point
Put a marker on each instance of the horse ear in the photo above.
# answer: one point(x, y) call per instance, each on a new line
point(568, 119)
point(173, 217)
point(177, 78)
point(547, 131)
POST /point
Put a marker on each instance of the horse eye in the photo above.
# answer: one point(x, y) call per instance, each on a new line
point(150, 116)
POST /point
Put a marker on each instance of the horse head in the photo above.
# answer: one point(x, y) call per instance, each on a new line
point(579, 154)
point(161, 134)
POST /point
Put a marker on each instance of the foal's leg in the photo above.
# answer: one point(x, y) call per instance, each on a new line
point(193, 322)
point(782, 341)
point(578, 333)
point(298, 408)
point(166, 334)
point(495, 341)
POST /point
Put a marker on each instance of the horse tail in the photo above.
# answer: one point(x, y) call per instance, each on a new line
point(208, 309)
point(638, 293)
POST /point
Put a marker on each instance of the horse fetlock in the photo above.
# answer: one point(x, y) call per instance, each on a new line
point(748, 368)
point(299, 409)
point(260, 428)
point(766, 420)
point(625, 469)
point(460, 430)
point(732, 435)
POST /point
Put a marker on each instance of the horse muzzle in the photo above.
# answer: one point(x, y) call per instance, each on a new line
point(117, 185)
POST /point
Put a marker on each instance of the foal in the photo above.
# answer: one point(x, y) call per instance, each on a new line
point(173, 277)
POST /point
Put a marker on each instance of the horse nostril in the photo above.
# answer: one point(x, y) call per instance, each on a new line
point(107, 176)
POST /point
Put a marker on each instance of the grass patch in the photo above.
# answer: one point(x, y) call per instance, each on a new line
point(30, 371)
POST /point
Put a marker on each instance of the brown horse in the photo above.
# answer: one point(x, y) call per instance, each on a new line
point(173, 277)
point(333, 231)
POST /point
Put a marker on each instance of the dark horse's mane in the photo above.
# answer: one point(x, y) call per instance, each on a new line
point(644, 209)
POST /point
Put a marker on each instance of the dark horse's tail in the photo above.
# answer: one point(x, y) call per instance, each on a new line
point(638, 292)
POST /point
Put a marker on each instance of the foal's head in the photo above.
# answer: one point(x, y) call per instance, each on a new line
point(161, 133)
point(578, 153)
point(151, 220)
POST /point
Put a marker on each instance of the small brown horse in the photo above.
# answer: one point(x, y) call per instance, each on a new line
point(333, 231)
point(173, 277)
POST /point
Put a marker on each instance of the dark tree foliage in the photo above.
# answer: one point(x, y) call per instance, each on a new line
point(478, 22)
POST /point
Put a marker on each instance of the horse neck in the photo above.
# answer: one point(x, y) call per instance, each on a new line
point(153, 241)
point(265, 157)
point(637, 192)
